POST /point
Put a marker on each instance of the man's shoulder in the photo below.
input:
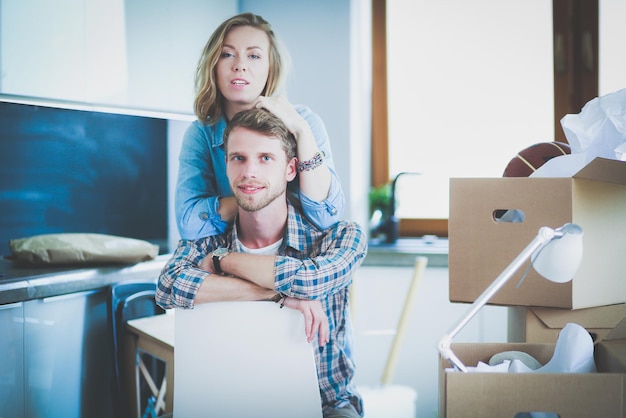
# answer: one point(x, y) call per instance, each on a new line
point(343, 227)
point(347, 225)
point(300, 224)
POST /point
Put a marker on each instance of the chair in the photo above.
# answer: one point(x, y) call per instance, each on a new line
point(244, 359)
point(129, 300)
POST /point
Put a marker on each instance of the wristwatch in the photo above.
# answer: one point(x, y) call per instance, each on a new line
point(218, 254)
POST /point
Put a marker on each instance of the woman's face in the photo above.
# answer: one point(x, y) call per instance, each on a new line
point(243, 68)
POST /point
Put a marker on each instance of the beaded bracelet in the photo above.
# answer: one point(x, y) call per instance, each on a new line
point(276, 298)
point(311, 164)
point(279, 298)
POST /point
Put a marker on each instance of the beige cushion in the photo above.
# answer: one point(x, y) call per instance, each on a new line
point(73, 248)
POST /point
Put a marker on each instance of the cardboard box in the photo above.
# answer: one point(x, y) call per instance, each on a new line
point(497, 395)
point(611, 354)
point(542, 325)
point(480, 248)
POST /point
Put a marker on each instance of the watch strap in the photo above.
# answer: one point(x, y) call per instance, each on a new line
point(218, 254)
point(216, 264)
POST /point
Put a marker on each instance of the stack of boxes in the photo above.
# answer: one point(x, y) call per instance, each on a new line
point(482, 245)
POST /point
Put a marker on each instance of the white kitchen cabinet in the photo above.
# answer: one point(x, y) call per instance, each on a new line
point(128, 53)
point(67, 357)
point(12, 360)
point(55, 358)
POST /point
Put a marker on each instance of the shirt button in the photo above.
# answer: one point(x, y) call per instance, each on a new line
point(204, 216)
point(333, 211)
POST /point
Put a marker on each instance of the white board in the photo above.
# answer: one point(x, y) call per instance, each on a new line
point(243, 359)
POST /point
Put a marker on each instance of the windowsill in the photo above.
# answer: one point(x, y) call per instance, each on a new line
point(404, 251)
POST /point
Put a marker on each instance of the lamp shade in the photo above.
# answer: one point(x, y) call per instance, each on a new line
point(560, 258)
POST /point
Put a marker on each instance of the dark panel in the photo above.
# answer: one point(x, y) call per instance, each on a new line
point(81, 171)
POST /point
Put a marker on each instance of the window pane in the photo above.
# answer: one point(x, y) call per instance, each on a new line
point(470, 84)
point(612, 36)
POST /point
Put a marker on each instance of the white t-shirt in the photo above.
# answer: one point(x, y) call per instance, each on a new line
point(271, 249)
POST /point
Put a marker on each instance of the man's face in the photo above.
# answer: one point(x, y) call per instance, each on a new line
point(257, 169)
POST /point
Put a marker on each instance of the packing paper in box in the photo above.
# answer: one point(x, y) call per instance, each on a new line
point(599, 130)
point(573, 353)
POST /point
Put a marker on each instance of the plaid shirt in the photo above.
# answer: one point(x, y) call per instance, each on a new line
point(312, 264)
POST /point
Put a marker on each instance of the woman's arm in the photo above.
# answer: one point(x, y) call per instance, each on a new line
point(320, 191)
point(200, 212)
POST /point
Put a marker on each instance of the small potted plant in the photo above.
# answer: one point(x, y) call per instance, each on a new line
point(383, 224)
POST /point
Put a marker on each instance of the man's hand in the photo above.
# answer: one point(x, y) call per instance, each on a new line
point(315, 320)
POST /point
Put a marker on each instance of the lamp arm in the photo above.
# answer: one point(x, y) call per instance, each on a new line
point(544, 235)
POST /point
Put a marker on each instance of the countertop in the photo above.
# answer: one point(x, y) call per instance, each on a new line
point(22, 282)
point(404, 251)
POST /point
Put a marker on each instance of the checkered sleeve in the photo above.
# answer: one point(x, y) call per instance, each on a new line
point(334, 255)
point(181, 276)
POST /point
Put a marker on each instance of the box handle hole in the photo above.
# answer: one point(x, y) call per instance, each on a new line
point(509, 215)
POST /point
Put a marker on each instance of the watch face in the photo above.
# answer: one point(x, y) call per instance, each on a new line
point(220, 251)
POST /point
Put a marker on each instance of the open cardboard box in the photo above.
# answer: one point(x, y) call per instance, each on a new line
point(498, 395)
point(480, 247)
point(542, 325)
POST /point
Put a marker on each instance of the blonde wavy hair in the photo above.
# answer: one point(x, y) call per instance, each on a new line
point(208, 102)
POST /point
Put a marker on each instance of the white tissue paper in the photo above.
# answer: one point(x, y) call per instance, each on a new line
point(573, 353)
point(599, 130)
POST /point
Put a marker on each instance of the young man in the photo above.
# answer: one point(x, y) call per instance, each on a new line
point(273, 252)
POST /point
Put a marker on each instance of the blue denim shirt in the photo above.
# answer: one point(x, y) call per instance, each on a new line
point(202, 180)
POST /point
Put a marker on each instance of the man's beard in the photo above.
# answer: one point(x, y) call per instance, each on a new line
point(254, 203)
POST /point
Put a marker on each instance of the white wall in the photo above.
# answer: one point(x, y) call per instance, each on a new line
point(164, 41)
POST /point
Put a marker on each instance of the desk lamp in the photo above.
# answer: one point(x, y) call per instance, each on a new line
point(555, 254)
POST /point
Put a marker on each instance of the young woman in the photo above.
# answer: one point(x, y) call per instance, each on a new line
point(242, 66)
